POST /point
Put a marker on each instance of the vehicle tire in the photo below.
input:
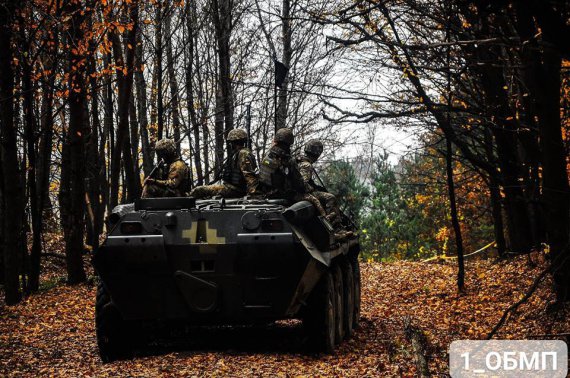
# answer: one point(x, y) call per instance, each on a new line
point(339, 303)
point(357, 293)
point(348, 277)
point(112, 335)
point(319, 319)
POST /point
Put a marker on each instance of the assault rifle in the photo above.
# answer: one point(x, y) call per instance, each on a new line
point(154, 170)
point(161, 162)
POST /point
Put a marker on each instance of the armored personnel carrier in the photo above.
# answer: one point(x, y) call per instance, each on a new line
point(221, 261)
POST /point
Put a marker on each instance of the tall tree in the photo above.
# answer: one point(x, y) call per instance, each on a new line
point(281, 116)
point(542, 60)
point(140, 85)
point(221, 11)
point(191, 101)
point(122, 152)
point(72, 192)
point(10, 165)
point(172, 81)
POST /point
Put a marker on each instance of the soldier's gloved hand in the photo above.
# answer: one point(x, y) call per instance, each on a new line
point(150, 180)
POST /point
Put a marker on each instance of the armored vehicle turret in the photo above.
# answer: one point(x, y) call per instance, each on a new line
point(223, 261)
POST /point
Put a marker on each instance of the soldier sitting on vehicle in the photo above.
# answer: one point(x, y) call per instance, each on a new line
point(313, 150)
point(238, 174)
point(173, 175)
point(279, 175)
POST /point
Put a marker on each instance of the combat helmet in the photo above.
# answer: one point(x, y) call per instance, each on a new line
point(314, 148)
point(236, 134)
point(285, 136)
point(166, 147)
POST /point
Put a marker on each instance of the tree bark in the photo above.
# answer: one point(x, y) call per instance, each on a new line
point(125, 70)
point(495, 198)
point(10, 166)
point(106, 144)
point(94, 204)
point(156, 101)
point(222, 18)
point(2, 220)
point(455, 218)
point(140, 85)
point(281, 118)
point(542, 65)
point(506, 139)
point(173, 84)
point(35, 210)
point(73, 167)
point(190, 97)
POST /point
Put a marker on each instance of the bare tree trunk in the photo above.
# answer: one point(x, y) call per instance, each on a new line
point(2, 221)
point(505, 133)
point(174, 99)
point(157, 103)
point(11, 190)
point(495, 198)
point(46, 125)
point(556, 191)
point(134, 137)
point(29, 136)
point(206, 148)
point(543, 64)
point(122, 145)
point(73, 153)
point(106, 136)
point(93, 165)
point(455, 218)
point(140, 86)
point(219, 130)
point(190, 100)
point(281, 117)
point(222, 18)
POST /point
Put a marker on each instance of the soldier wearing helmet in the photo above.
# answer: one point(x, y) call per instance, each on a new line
point(173, 179)
point(279, 174)
point(313, 150)
point(238, 173)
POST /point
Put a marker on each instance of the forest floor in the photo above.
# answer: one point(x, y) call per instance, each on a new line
point(52, 332)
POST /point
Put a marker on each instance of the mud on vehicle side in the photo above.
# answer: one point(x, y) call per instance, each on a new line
point(224, 262)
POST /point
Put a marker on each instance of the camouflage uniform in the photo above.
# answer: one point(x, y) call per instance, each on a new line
point(238, 174)
point(279, 174)
point(173, 179)
point(238, 178)
point(328, 200)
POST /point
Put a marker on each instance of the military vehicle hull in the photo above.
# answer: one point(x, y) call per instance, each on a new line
point(218, 262)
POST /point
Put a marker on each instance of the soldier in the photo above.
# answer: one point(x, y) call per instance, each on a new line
point(238, 174)
point(279, 174)
point(173, 181)
point(313, 150)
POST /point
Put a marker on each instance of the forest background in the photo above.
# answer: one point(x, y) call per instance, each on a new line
point(478, 89)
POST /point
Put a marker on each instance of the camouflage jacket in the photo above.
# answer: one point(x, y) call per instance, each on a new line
point(280, 174)
point(306, 171)
point(176, 178)
point(240, 171)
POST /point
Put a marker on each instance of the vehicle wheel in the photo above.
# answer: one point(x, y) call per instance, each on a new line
point(356, 272)
point(348, 276)
point(319, 319)
point(339, 305)
point(112, 336)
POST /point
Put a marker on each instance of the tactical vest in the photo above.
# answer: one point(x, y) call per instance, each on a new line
point(231, 172)
point(272, 171)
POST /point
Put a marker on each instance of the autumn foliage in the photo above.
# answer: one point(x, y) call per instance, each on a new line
point(52, 332)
